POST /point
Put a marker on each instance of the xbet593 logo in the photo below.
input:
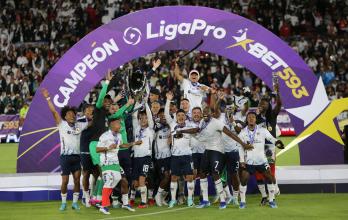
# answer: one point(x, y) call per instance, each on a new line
point(273, 61)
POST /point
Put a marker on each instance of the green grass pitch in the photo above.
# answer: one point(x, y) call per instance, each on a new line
point(295, 206)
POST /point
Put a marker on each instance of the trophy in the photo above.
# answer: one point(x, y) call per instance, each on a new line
point(136, 84)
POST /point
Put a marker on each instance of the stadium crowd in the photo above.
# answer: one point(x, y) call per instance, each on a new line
point(35, 34)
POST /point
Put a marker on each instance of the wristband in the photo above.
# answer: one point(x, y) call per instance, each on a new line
point(48, 98)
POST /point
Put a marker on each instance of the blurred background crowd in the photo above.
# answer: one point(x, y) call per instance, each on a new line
point(35, 34)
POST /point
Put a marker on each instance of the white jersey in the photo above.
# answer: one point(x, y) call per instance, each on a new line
point(70, 137)
point(238, 116)
point(180, 146)
point(108, 138)
point(146, 135)
point(193, 93)
point(196, 145)
point(210, 134)
point(257, 138)
point(162, 148)
point(228, 143)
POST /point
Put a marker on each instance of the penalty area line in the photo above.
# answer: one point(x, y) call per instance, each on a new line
point(146, 214)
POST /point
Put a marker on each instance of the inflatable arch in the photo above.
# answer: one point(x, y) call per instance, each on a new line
point(180, 28)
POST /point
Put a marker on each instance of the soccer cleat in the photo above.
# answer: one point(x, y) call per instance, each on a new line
point(98, 205)
point(151, 202)
point(172, 203)
point(158, 199)
point(181, 200)
point(242, 205)
point(164, 202)
point(88, 205)
point(142, 205)
point(203, 204)
point(132, 203)
point(264, 201)
point(83, 201)
point(229, 200)
point(75, 206)
point(116, 204)
point(128, 207)
point(216, 199)
point(234, 201)
point(190, 202)
point(92, 202)
point(62, 207)
point(222, 205)
point(104, 210)
point(273, 205)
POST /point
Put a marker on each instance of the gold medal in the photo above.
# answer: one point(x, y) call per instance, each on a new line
point(269, 128)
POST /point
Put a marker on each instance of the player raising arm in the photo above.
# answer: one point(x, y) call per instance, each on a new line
point(69, 133)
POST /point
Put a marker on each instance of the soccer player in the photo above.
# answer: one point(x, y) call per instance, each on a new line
point(108, 145)
point(143, 133)
point(210, 130)
point(185, 105)
point(231, 155)
point(98, 127)
point(255, 159)
point(181, 161)
point(88, 167)
point(162, 156)
point(196, 145)
point(267, 118)
point(123, 153)
point(231, 147)
point(193, 90)
point(69, 133)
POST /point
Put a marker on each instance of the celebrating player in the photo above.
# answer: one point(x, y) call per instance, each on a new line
point(123, 153)
point(255, 159)
point(210, 130)
point(69, 133)
point(181, 160)
point(109, 144)
point(267, 118)
point(193, 90)
point(144, 134)
point(162, 156)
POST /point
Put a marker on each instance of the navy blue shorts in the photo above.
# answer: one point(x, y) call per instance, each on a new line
point(260, 168)
point(181, 165)
point(197, 158)
point(162, 165)
point(232, 161)
point(125, 162)
point(141, 166)
point(69, 164)
point(212, 162)
point(86, 162)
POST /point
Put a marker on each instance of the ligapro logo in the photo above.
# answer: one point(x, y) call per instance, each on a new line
point(132, 36)
point(169, 32)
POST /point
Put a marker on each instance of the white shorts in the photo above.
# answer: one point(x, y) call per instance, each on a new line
point(111, 178)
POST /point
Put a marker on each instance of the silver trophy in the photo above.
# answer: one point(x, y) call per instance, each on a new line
point(136, 84)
